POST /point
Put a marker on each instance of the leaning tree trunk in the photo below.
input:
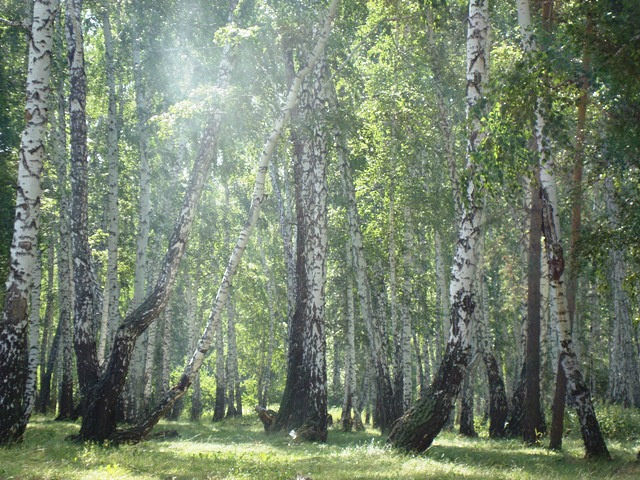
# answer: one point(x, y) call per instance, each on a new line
point(577, 388)
point(387, 409)
point(421, 424)
point(13, 323)
point(142, 429)
point(111, 314)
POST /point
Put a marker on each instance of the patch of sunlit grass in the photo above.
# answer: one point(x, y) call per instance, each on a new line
point(239, 449)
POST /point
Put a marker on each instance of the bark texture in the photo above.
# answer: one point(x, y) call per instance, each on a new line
point(13, 323)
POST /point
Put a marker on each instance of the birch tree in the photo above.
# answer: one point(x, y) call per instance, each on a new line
point(420, 425)
point(13, 323)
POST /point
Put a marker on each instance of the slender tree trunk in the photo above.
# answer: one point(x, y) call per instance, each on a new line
point(387, 409)
point(165, 371)
point(350, 399)
point(533, 425)
point(111, 313)
point(84, 331)
point(572, 280)
point(13, 323)
point(46, 328)
point(442, 298)
point(263, 392)
point(196, 393)
point(144, 427)
point(405, 331)
point(218, 411)
point(234, 407)
point(149, 365)
point(420, 425)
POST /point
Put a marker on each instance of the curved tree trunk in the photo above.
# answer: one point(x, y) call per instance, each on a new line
point(421, 424)
point(142, 429)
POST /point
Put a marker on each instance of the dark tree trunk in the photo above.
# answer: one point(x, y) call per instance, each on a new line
point(516, 412)
point(45, 376)
point(467, 427)
point(532, 424)
point(498, 407)
point(99, 416)
point(196, 402)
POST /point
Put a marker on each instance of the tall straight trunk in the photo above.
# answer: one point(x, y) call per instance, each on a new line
point(33, 351)
point(139, 372)
point(165, 351)
point(44, 397)
point(111, 314)
point(405, 327)
point(304, 401)
point(350, 400)
point(422, 423)
point(196, 320)
point(286, 234)
point(624, 384)
point(142, 429)
point(13, 323)
point(265, 384)
point(442, 298)
point(396, 349)
point(533, 424)
point(572, 280)
point(46, 329)
point(387, 409)
point(498, 406)
point(234, 407)
point(84, 332)
point(218, 411)
point(577, 388)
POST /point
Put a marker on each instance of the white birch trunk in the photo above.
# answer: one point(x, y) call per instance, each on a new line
point(13, 323)
point(111, 314)
point(33, 354)
point(442, 297)
point(420, 425)
point(271, 296)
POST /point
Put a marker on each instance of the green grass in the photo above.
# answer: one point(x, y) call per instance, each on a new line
point(239, 449)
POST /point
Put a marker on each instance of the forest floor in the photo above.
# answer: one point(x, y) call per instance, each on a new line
point(239, 449)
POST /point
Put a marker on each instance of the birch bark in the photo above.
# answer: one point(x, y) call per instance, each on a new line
point(13, 323)
point(111, 314)
point(421, 424)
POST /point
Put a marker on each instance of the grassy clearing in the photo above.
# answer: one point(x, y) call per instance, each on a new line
point(239, 449)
